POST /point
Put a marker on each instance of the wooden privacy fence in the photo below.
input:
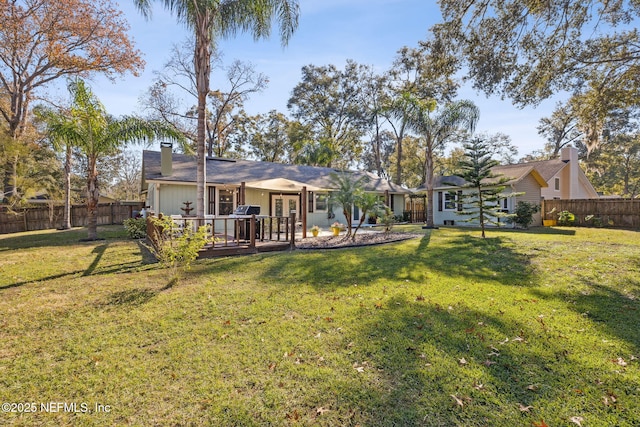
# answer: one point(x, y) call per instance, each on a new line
point(48, 217)
point(623, 213)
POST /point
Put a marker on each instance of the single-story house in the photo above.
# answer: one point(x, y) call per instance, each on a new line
point(169, 182)
point(560, 178)
point(524, 179)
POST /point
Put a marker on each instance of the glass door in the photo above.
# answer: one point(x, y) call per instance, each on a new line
point(282, 205)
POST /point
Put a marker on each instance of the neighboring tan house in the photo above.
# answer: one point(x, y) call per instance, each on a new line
point(169, 180)
point(547, 179)
point(565, 178)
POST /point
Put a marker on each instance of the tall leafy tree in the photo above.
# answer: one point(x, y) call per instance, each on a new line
point(425, 73)
point(328, 101)
point(560, 130)
point(437, 128)
point(43, 40)
point(210, 19)
point(530, 50)
point(266, 137)
point(87, 126)
point(482, 202)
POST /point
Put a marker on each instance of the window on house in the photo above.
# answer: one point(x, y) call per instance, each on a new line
point(321, 202)
point(225, 202)
point(557, 184)
point(450, 201)
point(211, 199)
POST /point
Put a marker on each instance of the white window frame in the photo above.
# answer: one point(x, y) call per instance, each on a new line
point(449, 198)
point(315, 202)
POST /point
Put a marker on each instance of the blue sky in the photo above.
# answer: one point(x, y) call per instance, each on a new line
point(330, 32)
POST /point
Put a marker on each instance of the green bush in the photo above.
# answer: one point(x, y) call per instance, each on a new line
point(524, 213)
point(566, 218)
point(174, 248)
point(136, 228)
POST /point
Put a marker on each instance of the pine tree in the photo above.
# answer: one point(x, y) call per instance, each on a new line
point(482, 202)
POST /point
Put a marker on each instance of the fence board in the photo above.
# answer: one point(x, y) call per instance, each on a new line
point(623, 213)
point(50, 217)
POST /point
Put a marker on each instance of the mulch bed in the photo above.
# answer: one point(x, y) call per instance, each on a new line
point(362, 239)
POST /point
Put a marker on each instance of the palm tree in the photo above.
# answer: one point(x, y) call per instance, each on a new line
point(346, 193)
point(209, 20)
point(436, 130)
point(87, 126)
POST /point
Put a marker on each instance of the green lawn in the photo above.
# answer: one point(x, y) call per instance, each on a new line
point(521, 329)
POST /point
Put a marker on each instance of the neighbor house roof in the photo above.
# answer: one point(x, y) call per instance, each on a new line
point(236, 171)
point(515, 173)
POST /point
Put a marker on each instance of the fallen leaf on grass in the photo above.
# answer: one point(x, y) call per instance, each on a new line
point(532, 387)
point(577, 420)
point(619, 361)
point(295, 415)
point(540, 424)
point(488, 363)
point(459, 402)
point(524, 408)
point(463, 361)
point(479, 386)
point(321, 410)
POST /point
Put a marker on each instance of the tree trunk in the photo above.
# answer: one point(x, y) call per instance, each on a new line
point(93, 197)
point(66, 215)
point(428, 170)
point(399, 154)
point(202, 68)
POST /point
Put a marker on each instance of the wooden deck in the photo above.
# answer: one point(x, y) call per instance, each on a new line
point(243, 249)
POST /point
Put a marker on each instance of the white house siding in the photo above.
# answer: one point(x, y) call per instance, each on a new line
point(167, 199)
point(528, 185)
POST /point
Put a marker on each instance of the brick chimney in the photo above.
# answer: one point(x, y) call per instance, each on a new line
point(166, 160)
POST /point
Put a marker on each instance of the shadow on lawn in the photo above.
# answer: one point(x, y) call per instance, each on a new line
point(423, 357)
point(460, 256)
point(95, 268)
point(615, 312)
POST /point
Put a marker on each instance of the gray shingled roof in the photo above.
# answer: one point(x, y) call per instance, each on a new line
point(234, 172)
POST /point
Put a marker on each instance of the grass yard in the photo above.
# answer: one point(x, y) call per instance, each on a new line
point(538, 328)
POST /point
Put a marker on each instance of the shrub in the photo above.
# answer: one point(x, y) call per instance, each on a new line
point(176, 249)
point(136, 228)
point(524, 213)
point(566, 218)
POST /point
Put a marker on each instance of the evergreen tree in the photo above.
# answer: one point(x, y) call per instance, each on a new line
point(482, 202)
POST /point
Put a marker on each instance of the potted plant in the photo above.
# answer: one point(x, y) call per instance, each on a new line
point(315, 230)
point(336, 227)
point(550, 222)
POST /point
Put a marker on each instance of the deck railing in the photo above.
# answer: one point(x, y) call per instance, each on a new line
point(240, 232)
